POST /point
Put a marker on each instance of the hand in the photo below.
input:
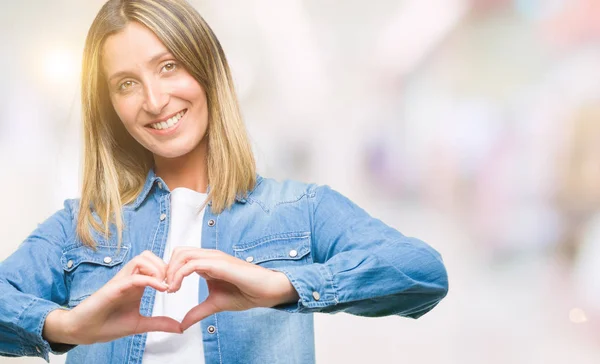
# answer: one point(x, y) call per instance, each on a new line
point(113, 311)
point(233, 284)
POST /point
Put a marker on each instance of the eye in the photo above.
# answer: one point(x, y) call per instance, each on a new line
point(171, 66)
point(125, 85)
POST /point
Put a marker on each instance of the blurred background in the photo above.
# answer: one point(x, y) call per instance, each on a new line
point(473, 125)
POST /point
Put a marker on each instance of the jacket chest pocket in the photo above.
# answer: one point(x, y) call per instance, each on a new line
point(276, 251)
point(87, 270)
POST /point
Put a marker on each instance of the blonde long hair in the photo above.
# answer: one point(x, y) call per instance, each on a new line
point(115, 164)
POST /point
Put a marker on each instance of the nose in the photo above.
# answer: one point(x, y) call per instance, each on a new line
point(156, 98)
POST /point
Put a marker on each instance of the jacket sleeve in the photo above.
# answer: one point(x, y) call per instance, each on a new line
point(32, 284)
point(362, 266)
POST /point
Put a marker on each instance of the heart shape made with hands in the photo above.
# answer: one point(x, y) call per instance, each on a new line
point(233, 284)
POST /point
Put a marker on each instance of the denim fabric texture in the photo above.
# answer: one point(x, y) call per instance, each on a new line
point(338, 257)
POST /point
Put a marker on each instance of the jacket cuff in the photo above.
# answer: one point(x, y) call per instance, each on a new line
point(32, 321)
point(315, 287)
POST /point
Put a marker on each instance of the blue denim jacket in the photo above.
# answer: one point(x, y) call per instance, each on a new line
point(337, 257)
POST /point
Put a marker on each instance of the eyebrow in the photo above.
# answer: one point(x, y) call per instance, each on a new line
point(154, 59)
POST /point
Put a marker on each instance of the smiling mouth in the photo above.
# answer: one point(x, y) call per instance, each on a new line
point(169, 123)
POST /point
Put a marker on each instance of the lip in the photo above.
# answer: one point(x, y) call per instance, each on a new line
point(165, 118)
point(170, 130)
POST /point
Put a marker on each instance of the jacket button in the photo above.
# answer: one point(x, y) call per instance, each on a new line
point(38, 349)
point(211, 329)
point(211, 222)
point(163, 216)
point(316, 296)
point(250, 259)
point(70, 264)
point(107, 260)
point(160, 186)
point(293, 253)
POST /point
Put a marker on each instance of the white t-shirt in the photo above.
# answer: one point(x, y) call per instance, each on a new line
point(185, 230)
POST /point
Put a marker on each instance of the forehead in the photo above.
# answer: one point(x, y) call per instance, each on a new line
point(130, 48)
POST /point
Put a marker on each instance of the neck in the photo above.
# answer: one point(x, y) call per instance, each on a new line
point(189, 171)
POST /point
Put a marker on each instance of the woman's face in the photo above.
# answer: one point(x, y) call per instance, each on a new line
point(161, 105)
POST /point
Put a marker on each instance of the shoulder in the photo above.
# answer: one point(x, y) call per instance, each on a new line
point(67, 216)
point(70, 210)
point(270, 192)
point(59, 227)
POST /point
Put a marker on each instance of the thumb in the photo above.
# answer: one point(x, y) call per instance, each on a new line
point(159, 323)
point(198, 313)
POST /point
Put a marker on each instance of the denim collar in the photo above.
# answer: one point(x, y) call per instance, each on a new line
point(152, 179)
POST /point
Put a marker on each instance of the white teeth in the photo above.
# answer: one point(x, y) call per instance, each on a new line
point(168, 123)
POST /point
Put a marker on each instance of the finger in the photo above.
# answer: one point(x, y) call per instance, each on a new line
point(147, 267)
point(182, 272)
point(197, 314)
point(142, 281)
point(179, 257)
point(157, 262)
point(158, 323)
point(140, 265)
point(183, 255)
point(213, 268)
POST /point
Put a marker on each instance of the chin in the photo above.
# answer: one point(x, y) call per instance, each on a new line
point(170, 154)
point(176, 148)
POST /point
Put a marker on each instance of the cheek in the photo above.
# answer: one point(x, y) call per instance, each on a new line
point(126, 112)
point(192, 91)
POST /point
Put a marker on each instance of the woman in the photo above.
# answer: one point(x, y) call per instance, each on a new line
point(177, 250)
